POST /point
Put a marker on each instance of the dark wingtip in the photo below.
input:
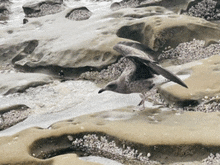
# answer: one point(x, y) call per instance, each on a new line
point(184, 85)
point(180, 82)
point(101, 90)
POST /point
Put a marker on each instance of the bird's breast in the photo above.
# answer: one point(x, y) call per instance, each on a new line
point(141, 86)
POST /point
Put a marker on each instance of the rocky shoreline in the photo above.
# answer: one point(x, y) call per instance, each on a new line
point(54, 62)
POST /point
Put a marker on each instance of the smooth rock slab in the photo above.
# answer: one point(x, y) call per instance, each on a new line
point(65, 44)
point(19, 82)
point(16, 52)
point(168, 137)
point(203, 82)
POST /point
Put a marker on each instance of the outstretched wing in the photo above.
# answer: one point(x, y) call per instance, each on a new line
point(140, 58)
point(159, 70)
point(140, 47)
point(126, 50)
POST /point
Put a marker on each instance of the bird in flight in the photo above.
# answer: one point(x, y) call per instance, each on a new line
point(141, 73)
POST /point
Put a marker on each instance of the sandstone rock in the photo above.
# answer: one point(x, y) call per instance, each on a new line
point(19, 82)
point(203, 82)
point(12, 115)
point(38, 9)
point(154, 135)
point(79, 46)
point(72, 46)
point(79, 14)
point(159, 32)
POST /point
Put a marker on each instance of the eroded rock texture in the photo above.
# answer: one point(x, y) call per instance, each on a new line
point(57, 43)
point(153, 135)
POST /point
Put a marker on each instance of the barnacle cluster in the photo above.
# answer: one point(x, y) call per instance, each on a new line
point(209, 105)
point(112, 72)
point(79, 14)
point(101, 146)
point(130, 3)
point(205, 9)
point(45, 9)
point(212, 159)
point(189, 51)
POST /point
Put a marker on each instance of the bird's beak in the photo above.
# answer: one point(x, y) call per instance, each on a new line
point(101, 90)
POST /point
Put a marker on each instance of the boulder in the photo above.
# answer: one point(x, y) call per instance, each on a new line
point(38, 9)
point(79, 14)
point(19, 82)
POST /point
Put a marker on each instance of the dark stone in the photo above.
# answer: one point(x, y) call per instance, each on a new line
point(79, 14)
point(4, 9)
point(25, 21)
point(43, 8)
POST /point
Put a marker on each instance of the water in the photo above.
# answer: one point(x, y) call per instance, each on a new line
point(17, 15)
point(61, 101)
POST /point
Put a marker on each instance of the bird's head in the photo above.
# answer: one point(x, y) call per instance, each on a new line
point(112, 86)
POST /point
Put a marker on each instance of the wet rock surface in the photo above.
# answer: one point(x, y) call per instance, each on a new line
point(49, 114)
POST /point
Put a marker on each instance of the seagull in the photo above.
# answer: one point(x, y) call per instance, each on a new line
point(141, 74)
